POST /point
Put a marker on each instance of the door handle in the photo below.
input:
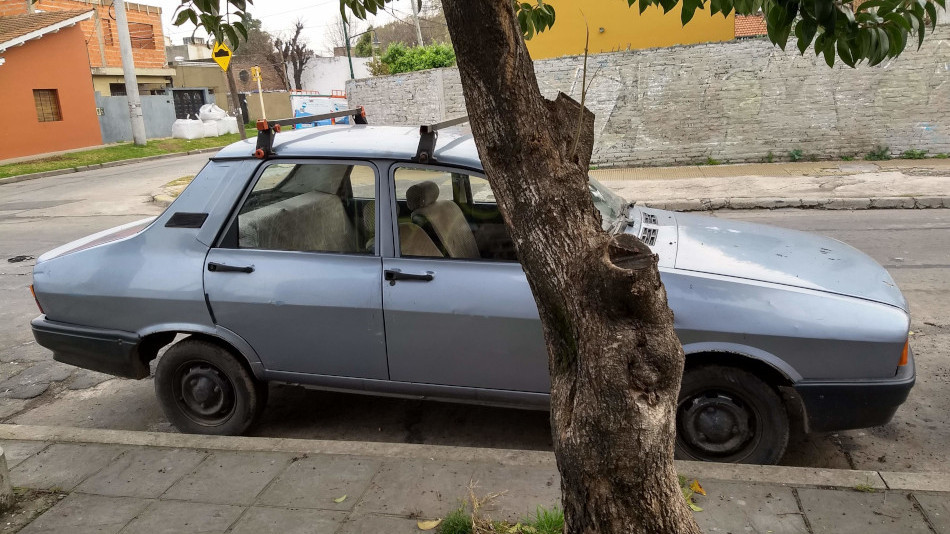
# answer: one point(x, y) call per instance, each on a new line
point(392, 275)
point(222, 268)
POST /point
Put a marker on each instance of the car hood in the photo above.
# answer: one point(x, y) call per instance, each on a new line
point(780, 256)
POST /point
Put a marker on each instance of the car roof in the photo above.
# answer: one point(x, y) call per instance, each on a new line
point(453, 147)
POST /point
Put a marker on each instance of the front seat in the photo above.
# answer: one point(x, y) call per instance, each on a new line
point(444, 218)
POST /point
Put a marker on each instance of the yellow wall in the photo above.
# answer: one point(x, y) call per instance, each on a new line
point(624, 28)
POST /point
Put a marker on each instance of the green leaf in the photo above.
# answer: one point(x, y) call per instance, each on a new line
point(232, 36)
point(689, 9)
point(694, 507)
point(932, 13)
point(844, 52)
point(183, 16)
point(714, 7)
point(339, 499)
point(829, 52)
point(899, 20)
point(644, 4)
point(239, 26)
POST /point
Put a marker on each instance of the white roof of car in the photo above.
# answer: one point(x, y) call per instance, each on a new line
point(361, 141)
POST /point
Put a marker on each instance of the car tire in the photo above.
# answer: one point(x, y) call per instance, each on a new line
point(204, 389)
point(726, 414)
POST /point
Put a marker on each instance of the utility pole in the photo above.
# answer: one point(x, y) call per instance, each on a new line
point(349, 57)
point(415, 18)
point(128, 70)
point(236, 102)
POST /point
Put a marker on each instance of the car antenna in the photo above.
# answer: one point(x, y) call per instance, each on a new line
point(267, 129)
point(429, 133)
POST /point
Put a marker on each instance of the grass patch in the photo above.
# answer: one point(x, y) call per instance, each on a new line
point(711, 161)
point(122, 151)
point(880, 153)
point(796, 155)
point(913, 154)
point(457, 522)
point(865, 488)
point(942, 155)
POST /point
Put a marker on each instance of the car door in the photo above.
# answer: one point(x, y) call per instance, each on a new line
point(296, 273)
point(457, 315)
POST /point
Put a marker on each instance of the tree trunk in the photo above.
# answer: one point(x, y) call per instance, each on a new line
point(614, 358)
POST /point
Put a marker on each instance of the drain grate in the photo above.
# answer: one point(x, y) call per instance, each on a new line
point(648, 236)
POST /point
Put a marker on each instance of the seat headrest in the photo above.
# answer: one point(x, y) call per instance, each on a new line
point(421, 195)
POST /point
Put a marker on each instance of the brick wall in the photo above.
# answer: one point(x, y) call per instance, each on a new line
point(144, 21)
point(736, 101)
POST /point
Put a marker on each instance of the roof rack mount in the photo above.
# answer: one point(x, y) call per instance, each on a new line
point(429, 133)
point(267, 129)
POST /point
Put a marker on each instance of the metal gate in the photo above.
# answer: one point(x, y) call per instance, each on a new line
point(188, 101)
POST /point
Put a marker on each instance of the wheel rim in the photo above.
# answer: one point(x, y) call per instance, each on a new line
point(204, 393)
point(716, 424)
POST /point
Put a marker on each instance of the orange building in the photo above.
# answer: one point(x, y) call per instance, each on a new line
point(45, 85)
point(102, 41)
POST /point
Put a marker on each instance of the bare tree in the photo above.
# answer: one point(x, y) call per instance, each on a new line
point(296, 52)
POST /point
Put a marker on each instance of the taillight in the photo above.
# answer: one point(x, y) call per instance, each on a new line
point(41, 308)
point(904, 353)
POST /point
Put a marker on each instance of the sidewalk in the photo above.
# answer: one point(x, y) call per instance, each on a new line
point(120, 481)
point(901, 183)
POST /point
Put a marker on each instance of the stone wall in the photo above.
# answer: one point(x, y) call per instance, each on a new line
point(732, 102)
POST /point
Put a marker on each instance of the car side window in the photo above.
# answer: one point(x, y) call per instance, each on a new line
point(310, 207)
point(449, 214)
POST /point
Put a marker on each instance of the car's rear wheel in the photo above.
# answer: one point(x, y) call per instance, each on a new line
point(725, 414)
point(204, 389)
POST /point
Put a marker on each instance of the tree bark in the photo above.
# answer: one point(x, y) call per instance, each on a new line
point(614, 358)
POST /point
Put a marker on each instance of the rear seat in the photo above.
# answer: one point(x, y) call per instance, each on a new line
point(310, 222)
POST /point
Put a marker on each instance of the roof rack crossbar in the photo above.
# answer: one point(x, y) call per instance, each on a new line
point(428, 134)
point(267, 129)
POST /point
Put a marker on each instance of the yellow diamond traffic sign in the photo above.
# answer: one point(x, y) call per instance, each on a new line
point(222, 55)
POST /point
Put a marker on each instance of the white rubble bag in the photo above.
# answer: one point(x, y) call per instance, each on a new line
point(210, 128)
point(188, 129)
point(211, 112)
point(227, 125)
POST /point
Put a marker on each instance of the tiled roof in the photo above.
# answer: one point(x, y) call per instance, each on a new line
point(750, 25)
point(20, 25)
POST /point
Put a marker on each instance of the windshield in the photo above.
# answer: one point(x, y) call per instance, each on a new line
point(608, 203)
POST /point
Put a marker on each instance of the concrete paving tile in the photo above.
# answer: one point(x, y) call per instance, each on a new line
point(230, 478)
point(937, 509)
point(741, 507)
point(63, 466)
point(430, 488)
point(143, 472)
point(288, 521)
point(843, 511)
point(17, 451)
point(525, 489)
point(314, 482)
point(364, 523)
point(174, 517)
point(79, 513)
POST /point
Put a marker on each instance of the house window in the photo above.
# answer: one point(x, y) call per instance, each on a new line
point(107, 38)
point(142, 35)
point(47, 105)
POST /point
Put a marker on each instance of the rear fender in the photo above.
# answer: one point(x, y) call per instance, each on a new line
point(217, 332)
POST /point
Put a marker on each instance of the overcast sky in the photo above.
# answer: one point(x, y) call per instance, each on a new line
point(278, 16)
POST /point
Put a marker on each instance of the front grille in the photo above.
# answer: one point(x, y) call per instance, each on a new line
point(648, 236)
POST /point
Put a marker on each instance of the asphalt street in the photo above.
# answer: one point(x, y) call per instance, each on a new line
point(39, 215)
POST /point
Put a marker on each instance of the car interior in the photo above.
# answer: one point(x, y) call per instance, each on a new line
point(312, 207)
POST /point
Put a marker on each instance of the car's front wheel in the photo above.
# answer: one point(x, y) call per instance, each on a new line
point(204, 389)
point(725, 414)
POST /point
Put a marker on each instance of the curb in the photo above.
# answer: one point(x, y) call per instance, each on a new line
point(711, 204)
point(756, 474)
point(106, 165)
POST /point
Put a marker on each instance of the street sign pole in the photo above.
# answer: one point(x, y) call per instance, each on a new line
point(128, 71)
point(222, 56)
point(256, 75)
